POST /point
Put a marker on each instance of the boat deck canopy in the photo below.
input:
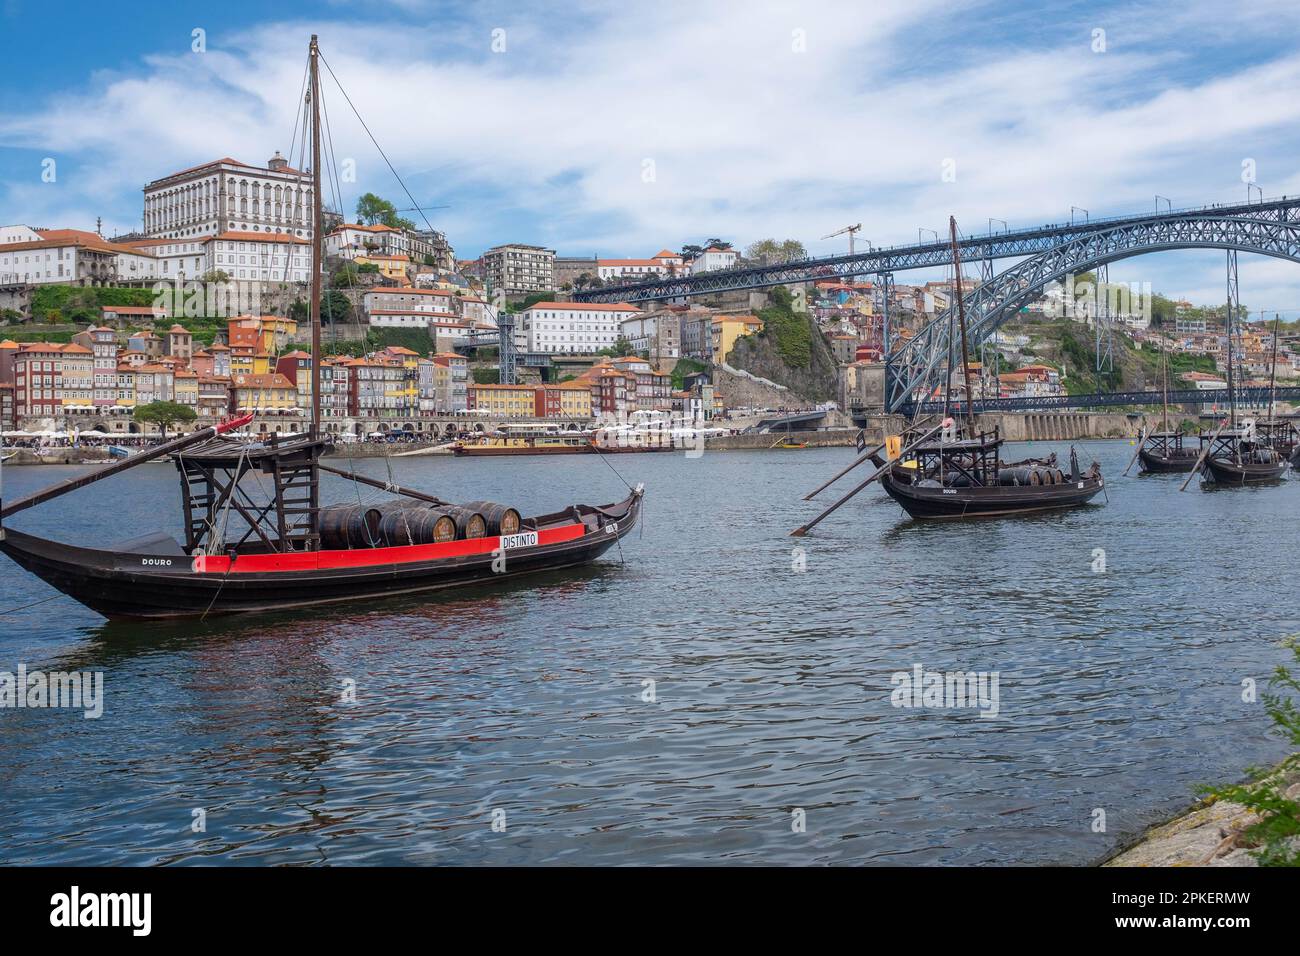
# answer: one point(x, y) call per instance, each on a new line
point(227, 452)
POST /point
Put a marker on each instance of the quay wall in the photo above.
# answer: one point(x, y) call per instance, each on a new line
point(1038, 426)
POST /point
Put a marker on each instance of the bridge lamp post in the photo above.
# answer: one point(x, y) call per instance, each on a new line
point(1249, 187)
point(1169, 206)
point(920, 241)
point(992, 220)
point(1074, 209)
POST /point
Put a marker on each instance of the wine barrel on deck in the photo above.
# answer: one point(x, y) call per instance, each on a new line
point(499, 518)
point(416, 525)
point(343, 527)
point(469, 522)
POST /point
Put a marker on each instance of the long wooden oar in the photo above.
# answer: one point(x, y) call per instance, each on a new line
point(866, 456)
point(802, 530)
point(1141, 439)
point(383, 485)
point(166, 448)
point(1200, 460)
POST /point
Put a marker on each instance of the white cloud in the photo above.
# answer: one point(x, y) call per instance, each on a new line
point(749, 137)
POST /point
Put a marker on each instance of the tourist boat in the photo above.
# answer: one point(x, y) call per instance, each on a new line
point(626, 440)
point(268, 544)
point(525, 440)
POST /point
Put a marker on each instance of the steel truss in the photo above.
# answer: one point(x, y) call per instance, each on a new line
point(914, 370)
point(999, 245)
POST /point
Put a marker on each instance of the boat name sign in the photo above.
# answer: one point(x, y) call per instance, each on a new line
point(525, 539)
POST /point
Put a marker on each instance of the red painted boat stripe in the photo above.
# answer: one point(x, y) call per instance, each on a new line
point(370, 557)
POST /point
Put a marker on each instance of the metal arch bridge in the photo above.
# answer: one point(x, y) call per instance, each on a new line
point(916, 369)
point(985, 247)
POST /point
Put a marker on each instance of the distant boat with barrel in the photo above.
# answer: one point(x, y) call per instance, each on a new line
point(1166, 452)
point(953, 470)
point(1243, 451)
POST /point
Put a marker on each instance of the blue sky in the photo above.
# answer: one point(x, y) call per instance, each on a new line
point(617, 130)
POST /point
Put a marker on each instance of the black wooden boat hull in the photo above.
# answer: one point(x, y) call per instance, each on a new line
point(991, 500)
point(1226, 472)
point(131, 585)
point(1158, 464)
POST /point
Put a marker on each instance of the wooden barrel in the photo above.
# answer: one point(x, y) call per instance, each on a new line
point(499, 518)
point(417, 525)
point(343, 527)
point(469, 523)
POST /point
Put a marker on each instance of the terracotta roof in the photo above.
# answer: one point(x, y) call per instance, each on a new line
point(363, 228)
point(258, 237)
point(55, 238)
point(408, 290)
point(270, 380)
point(441, 315)
point(131, 310)
point(598, 306)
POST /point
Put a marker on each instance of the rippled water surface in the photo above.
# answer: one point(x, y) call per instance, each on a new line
point(1119, 691)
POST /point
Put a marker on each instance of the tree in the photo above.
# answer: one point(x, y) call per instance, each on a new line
point(335, 307)
point(373, 211)
point(345, 276)
point(163, 414)
point(534, 297)
point(690, 251)
point(620, 349)
point(771, 252)
point(717, 244)
point(215, 275)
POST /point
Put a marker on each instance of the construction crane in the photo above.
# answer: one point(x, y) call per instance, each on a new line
point(851, 230)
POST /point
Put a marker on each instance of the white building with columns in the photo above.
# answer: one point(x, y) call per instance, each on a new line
point(227, 195)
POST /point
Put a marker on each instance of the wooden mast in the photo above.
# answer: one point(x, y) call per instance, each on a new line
point(317, 243)
point(961, 322)
point(1272, 372)
point(1232, 396)
point(1164, 380)
point(313, 58)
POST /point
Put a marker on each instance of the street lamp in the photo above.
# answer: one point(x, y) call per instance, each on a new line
point(1074, 209)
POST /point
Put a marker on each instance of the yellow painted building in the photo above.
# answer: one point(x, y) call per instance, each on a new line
point(185, 389)
point(405, 391)
point(728, 328)
point(565, 400)
point(274, 332)
point(271, 392)
point(503, 401)
point(390, 267)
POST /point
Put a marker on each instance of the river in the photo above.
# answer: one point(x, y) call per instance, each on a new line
point(693, 698)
